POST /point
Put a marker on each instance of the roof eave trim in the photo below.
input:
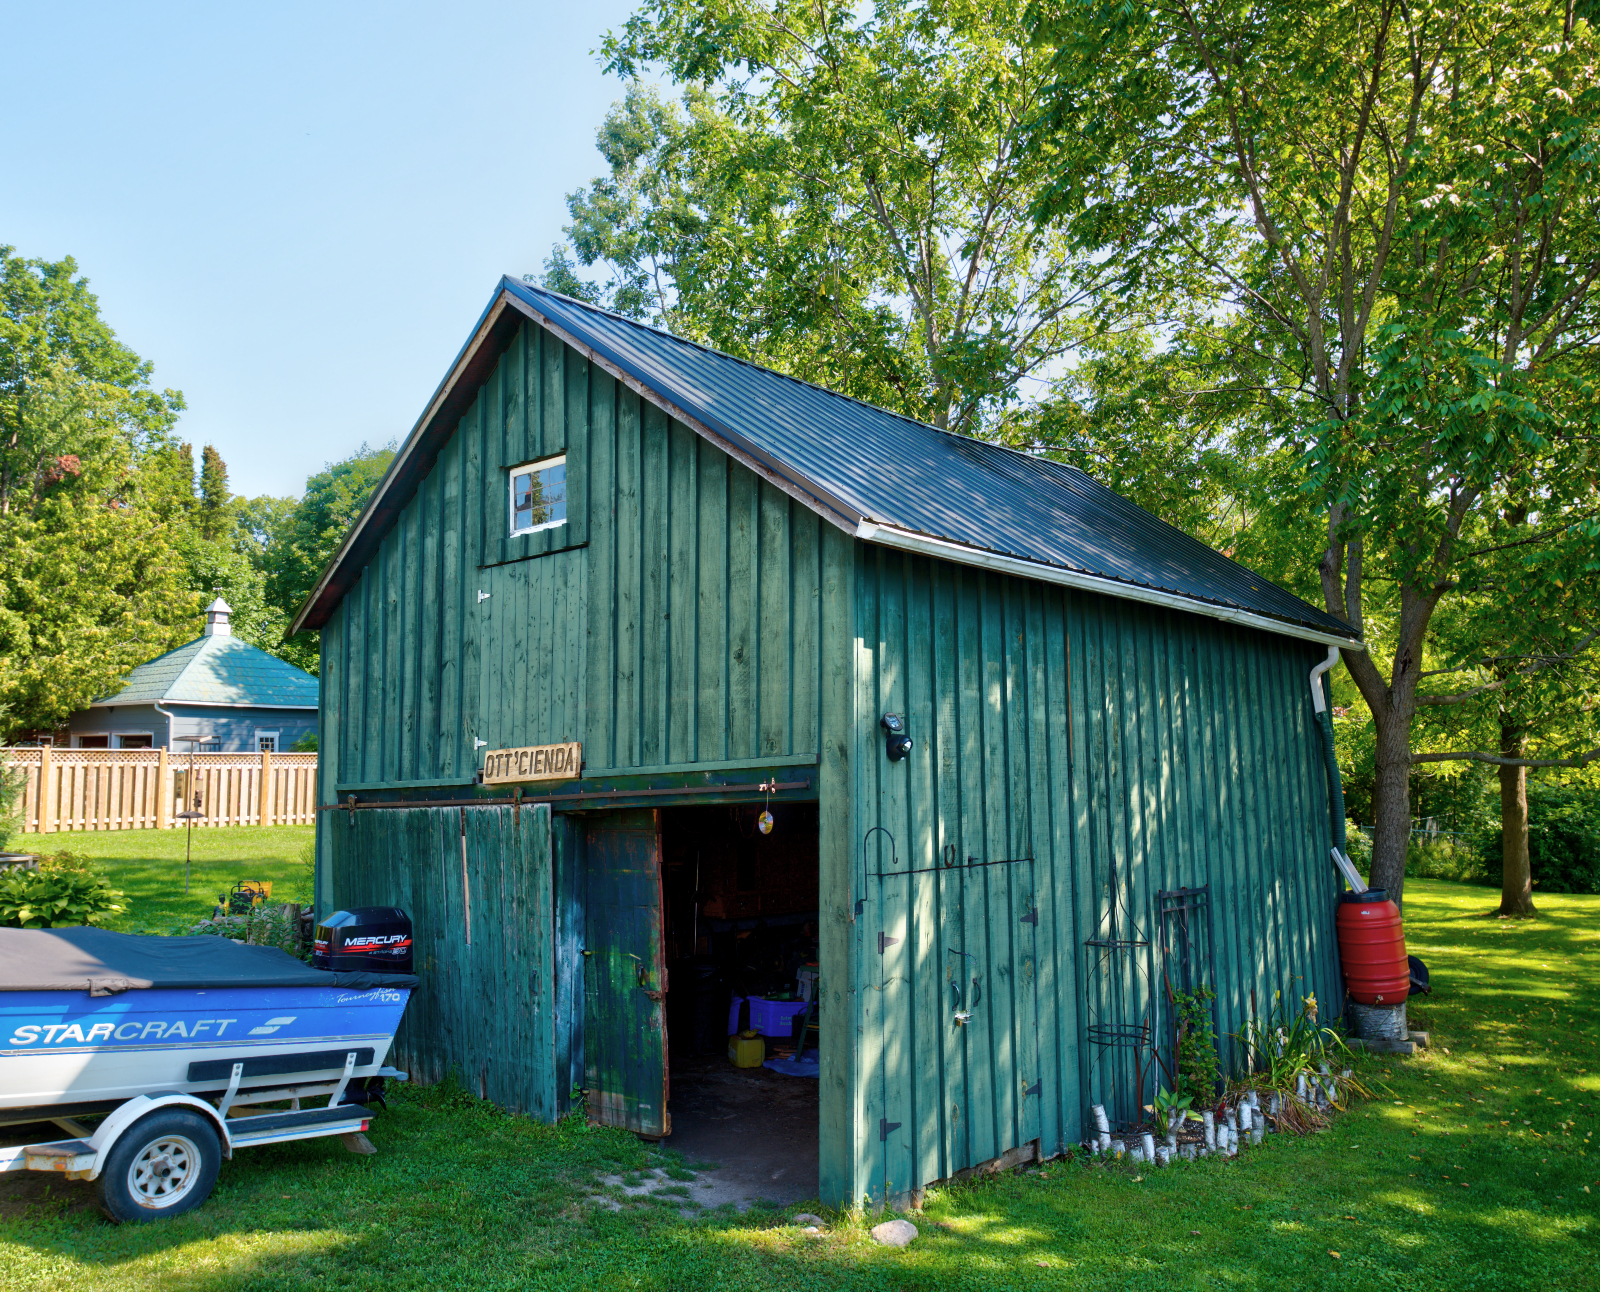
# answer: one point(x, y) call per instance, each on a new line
point(115, 703)
point(402, 459)
point(961, 554)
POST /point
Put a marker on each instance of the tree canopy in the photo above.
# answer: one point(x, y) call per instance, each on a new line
point(1380, 222)
point(839, 192)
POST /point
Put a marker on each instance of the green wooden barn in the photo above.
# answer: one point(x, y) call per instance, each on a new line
point(620, 595)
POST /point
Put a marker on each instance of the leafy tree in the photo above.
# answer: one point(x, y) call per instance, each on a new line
point(1525, 685)
point(92, 497)
point(295, 541)
point(72, 397)
point(842, 193)
point(1382, 220)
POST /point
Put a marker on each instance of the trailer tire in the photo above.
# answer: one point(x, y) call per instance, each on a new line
point(161, 1166)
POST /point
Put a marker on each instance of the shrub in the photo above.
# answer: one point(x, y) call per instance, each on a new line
point(1450, 859)
point(262, 926)
point(1358, 847)
point(1197, 1047)
point(13, 781)
point(1563, 840)
point(65, 890)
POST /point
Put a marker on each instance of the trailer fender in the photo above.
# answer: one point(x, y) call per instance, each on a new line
point(124, 1116)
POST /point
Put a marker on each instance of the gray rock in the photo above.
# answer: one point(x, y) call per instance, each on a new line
point(806, 1218)
point(894, 1233)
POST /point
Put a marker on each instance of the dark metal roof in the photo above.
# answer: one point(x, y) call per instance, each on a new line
point(863, 464)
point(891, 470)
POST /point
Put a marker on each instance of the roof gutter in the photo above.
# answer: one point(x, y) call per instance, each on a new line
point(908, 541)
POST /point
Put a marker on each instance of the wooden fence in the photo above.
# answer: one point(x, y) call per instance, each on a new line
point(141, 789)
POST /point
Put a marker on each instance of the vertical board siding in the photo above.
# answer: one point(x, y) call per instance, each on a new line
point(703, 596)
point(506, 1053)
point(672, 621)
point(1072, 736)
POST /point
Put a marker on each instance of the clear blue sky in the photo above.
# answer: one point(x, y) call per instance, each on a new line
point(297, 211)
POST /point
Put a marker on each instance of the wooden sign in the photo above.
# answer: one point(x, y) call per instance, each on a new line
point(536, 763)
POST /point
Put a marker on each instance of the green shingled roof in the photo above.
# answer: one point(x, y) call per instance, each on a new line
point(218, 670)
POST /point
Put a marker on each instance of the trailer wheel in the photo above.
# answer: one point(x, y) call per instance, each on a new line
point(162, 1165)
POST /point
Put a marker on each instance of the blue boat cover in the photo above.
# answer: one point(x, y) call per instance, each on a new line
point(103, 963)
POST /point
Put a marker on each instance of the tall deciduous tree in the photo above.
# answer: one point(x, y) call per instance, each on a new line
point(297, 539)
point(842, 194)
point(1388, 215)
point(92, 499)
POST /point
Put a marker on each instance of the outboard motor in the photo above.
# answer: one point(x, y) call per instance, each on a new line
point(376, 939)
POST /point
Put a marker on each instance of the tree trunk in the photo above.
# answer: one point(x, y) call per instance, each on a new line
point(1516, 882)
point(1391, 802)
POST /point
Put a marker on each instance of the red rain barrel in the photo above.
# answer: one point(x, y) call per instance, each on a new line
point(1372, 947)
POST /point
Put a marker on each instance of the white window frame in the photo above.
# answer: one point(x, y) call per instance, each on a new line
point(120, 736)
point(268, 735)
point(538, 464)
point(78, 738)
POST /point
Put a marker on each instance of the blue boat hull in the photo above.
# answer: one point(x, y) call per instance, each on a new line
point(62, 1047)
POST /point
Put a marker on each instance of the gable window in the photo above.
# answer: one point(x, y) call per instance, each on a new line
point(538, 495)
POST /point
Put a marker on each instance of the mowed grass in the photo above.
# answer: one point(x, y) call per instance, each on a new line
point(1472, 1168)
point(147, 865)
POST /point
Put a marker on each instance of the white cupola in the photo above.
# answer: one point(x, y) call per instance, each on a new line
point(217, 619)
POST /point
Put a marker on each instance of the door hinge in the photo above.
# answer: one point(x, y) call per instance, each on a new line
point(884, 1127)
point(1032, 917)
point(483, 596)
point(885, 942)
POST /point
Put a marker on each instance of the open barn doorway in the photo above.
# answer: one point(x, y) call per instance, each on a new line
point(740, 910)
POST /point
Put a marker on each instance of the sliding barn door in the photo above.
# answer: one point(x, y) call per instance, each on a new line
point(625, 974)
point(476, 882)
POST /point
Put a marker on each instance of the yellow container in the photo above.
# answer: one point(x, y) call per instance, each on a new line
point(747, 1050)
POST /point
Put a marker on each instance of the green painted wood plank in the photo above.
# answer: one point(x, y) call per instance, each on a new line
point(654, 594)
point(579, 388)
point(682, 663)
point(600, 637)
point(743, 659)
point(840, 1126)
point(805, 698)
point(774, 680)
point(712, 469)
point(927, 1019)
point(628, 698)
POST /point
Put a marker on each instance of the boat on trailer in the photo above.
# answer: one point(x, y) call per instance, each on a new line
point(175, 1043)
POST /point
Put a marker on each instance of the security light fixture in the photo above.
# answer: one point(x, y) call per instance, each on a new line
point(896, 743)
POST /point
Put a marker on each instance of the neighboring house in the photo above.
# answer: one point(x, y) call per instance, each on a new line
point(218, 695)
point(648, 591)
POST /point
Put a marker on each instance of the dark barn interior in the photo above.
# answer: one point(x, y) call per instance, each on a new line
point(740, 921)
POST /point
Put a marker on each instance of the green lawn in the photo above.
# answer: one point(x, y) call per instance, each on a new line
point(1470, 1170)
point(147, 865)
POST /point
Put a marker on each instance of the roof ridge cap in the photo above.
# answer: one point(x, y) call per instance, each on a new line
point(777, 372)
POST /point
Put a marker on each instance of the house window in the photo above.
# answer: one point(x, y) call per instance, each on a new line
point(267, 741)
point(538, 495)
point(92, 742)
point(141, 740)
